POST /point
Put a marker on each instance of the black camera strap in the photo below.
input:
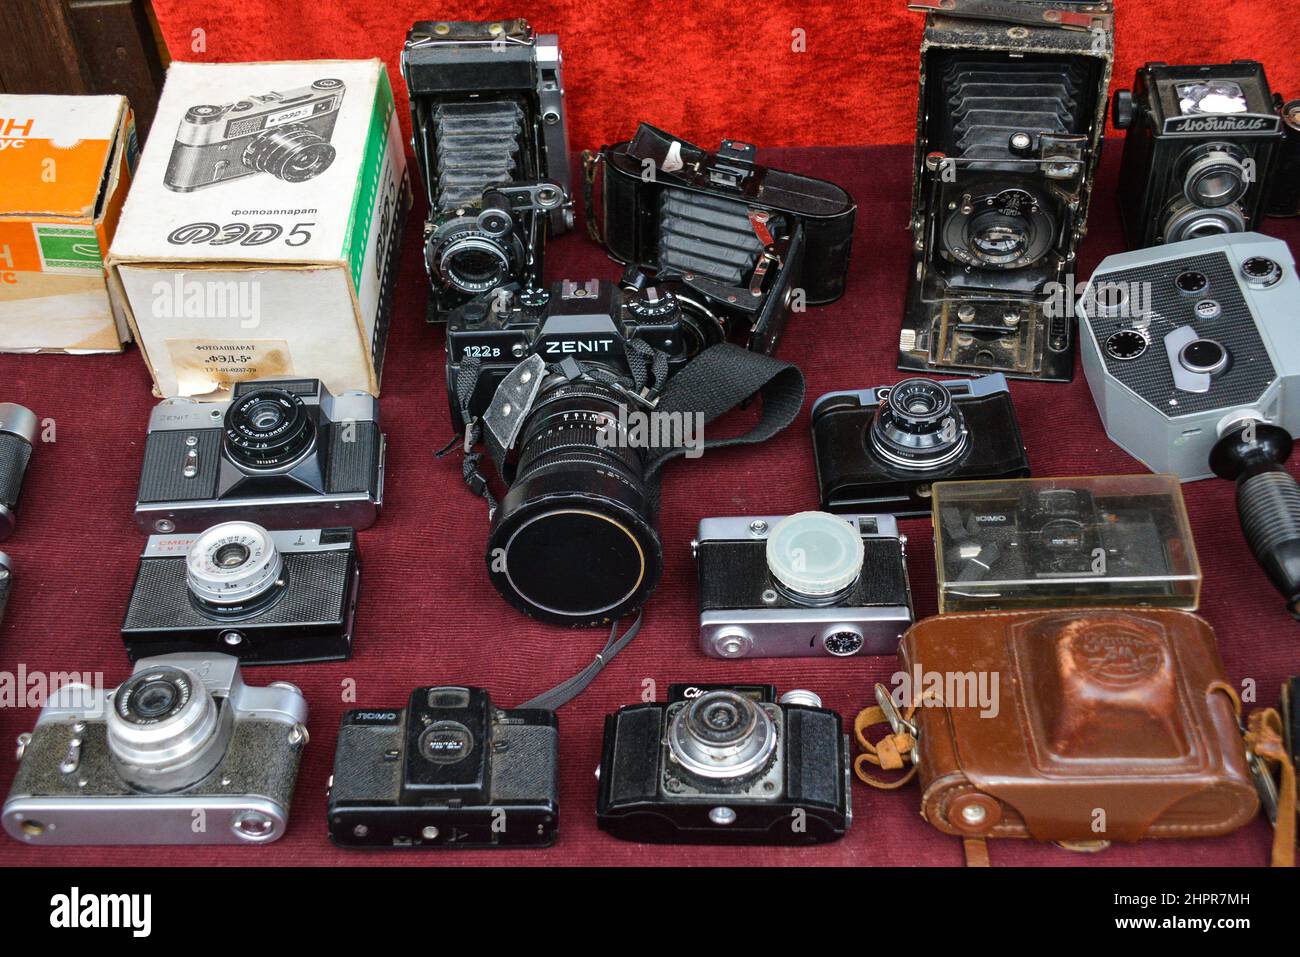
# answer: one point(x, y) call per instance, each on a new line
point(569, 689)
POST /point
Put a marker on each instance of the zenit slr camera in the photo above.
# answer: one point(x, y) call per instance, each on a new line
point(725, 764)
point(880, 450)
point(806, 584)
point(489, 134)
point(1200, 143)
point(739, 244)
point(182, 752)
point(284, 453)
point(448, 770)
point(265, 597)
point(1010, 116)
point(285, 134)
point(580, 355)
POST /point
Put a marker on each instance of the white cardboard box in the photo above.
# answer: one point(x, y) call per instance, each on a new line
point(262, 231)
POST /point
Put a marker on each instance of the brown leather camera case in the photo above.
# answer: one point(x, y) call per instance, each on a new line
point(1111, 725)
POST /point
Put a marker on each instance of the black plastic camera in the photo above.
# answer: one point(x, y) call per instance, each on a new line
point(725, 764)
point(285, 453)
point(285, 134)
point(880, 450)
point(581, 355)
point(1010, 117)
point(1201, 140)
point(740, 245)
point(264, 597)
point(448, 770)
point(488, 131)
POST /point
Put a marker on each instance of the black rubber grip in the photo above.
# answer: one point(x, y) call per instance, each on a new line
point(1268, 503)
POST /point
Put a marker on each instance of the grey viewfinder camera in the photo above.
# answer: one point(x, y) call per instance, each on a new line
point(286, 134)
point(284, 453)
point(804, 585)
point(182, 752)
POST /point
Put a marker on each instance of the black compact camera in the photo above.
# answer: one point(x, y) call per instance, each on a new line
point(489, 134)
point(285, 453)
point(740, 245)
point(564, 367)
point(286, 134)
point(448, 770)
point(1200, 144)
point(1012, 109)
point(237, 589)
point(880, 450)
point(725, 764)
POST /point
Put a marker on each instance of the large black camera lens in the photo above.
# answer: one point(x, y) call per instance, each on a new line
point(918, 426)
point(293, 153)
point(574, 542)
point(268, 428)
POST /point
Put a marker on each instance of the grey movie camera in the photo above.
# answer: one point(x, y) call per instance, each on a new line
point(1191, 353)
point(807, 584)
point(182, 752)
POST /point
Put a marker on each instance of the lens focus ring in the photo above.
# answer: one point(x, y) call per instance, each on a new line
point(293, 153)
point(164, 729)
point(232, 566)
point(268, 429)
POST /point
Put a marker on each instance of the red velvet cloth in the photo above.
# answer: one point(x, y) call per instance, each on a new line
point(428, 615)
point(710, 69)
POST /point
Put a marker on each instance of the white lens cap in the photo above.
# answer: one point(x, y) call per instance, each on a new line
point(814, 553)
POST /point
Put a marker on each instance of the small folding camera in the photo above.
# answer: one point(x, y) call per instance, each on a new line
point(807, 584)
point(266, 597)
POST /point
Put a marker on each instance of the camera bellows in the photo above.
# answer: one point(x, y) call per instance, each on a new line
point(478, 146)
point(707, 235)
point(991, 106)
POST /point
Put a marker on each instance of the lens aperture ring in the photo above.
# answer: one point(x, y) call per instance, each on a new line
point(268, 428)
point(234, 568)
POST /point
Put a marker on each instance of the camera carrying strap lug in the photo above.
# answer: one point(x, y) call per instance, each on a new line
point(1086, 18)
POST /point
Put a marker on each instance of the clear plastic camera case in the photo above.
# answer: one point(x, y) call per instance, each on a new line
point(1064, 542)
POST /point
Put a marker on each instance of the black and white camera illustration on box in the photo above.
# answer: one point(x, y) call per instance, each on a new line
point(1200, 144)
point(284, 453)
point(490, 135)
point(286, 134)
point(236, 588)
point(807, 584)
point(725, 764)
point(182, 752)
point(1192, 358)
point(880, 450)
point(1010, 118)
point(450, 770)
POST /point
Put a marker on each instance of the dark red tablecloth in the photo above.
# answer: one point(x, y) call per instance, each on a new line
point(428, 615)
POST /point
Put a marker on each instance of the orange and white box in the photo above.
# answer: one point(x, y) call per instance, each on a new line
point(65, 166)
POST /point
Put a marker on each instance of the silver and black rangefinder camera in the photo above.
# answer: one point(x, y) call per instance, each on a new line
point(449, 770)
point(725, 764)
point(286, 134)
point(284, 453)
point(182, 752)
point(266, 597)
point(803, 585)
